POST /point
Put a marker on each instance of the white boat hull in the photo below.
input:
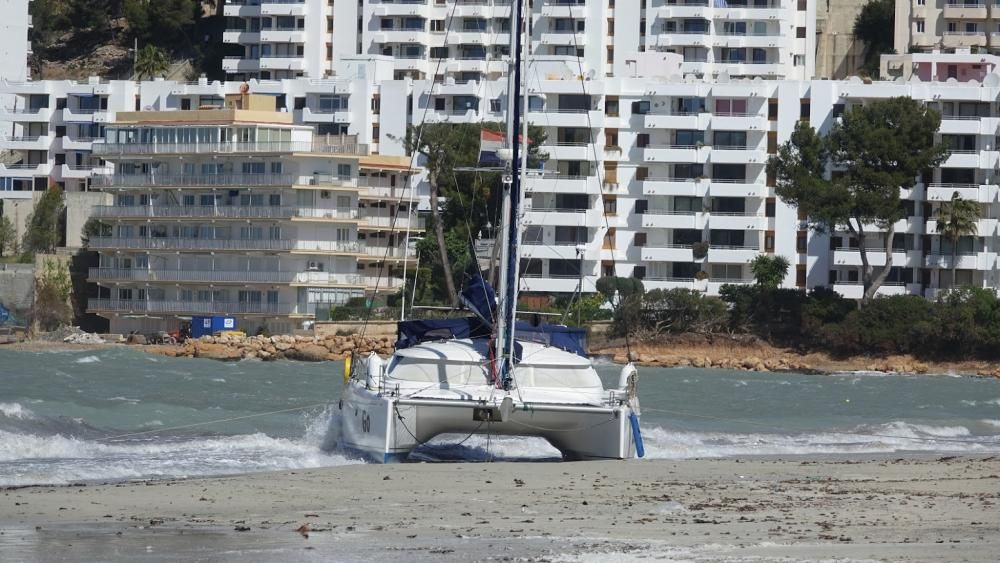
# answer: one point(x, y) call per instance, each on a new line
point(386, 429)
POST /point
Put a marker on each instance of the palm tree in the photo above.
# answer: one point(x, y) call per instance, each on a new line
point(956, 219)
point(151, 61)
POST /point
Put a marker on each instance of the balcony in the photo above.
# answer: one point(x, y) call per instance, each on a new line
point(406, 8)
point(737, 221)
point(26, 115)
point(385, 222)
point(965, 11)
point(194, 180)
point(201, 244)
point(25, 170)
point(319, 145)
point(726, 187)
point(328, 215)
point(676, 153)
point(560, 250)
point(552, 284)
point(78, 143)
point(692, 187)
point(667, 253)
point(81, 171)
point(283, 62)
point(569, 151)
point(663, 219)
point(240, 37)
point(392, 253)
point(282, 36)
point(133, 306)
point(562, 184)
point(846, 256)
point(677, 120)
point(241, 9)
point(564, 39)
point(192, 276)
point(284, 8)
point(963, 261)
point(194, 211)
point(959, 39)
point(561, 216)
point(237, 63)
point(555, 117)
point(26, 142)
point(353, 248)
point(974, 192)
point(668, 282)
point(747, 40)
point(748, 154)
point(985, 227)
point(80, 115)
point(732, 254)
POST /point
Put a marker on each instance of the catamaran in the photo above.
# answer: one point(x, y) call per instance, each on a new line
point(489, 373)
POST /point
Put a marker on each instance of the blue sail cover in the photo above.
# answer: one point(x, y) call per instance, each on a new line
point(412, 333)
point(480, 297)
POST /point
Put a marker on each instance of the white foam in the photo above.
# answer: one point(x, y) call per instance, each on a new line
point(986, 402)
point(993, 423)
point(87, 360)
point(15, 410)
point(124, 399)
point(896, 436)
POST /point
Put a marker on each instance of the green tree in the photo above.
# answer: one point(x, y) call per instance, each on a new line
point(48, 20)
point(877, 149)
point(956, 219)
point(52, 293)
point(42, 235)
point(92, 15)
point(151, 62)
point(768, 270)
point(164, 23)
point(873, 26)
point(462, 200)
point(8, 235)
point(625, 297)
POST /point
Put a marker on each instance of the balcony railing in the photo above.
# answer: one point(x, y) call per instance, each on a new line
point(219, 212)
point(193, 180)
point(218, 276)
point(136, 243)
point(321, 146)
point(196, 307)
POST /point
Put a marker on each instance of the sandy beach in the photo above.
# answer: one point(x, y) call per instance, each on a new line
point(910, 509)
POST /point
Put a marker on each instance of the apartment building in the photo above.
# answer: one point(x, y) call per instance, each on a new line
point(468, 40)
point(649, 176)
point(946, 26)
point(240, 212)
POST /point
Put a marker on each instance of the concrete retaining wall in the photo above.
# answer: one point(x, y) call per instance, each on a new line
point(323, 329)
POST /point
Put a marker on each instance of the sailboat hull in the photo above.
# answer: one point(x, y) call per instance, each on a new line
point(385, 429)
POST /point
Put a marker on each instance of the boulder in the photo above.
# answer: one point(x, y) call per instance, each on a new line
point(137, 339)
point(282, 345)
point(216, 352)
point(307, 353)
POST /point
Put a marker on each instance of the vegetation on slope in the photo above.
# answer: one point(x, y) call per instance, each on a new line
point(80, 38)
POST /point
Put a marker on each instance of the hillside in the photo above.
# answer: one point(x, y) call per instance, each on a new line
point(75, 39)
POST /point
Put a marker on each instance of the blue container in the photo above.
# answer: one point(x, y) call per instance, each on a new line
point(207, 326)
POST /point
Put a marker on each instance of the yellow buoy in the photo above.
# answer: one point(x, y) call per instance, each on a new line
point(347, 369)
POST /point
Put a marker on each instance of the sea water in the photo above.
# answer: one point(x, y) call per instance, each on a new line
point(118, 413)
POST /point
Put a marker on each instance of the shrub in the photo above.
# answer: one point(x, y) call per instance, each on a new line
point(899, 324)
point(682, 310)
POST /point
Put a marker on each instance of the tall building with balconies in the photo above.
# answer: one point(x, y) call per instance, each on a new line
point(240, 212)
point(465, 41)
point(280, 38)
point(947, 26)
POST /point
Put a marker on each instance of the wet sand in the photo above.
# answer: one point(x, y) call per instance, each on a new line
point(910, 509)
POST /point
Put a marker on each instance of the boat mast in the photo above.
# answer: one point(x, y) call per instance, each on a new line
point(511, 203)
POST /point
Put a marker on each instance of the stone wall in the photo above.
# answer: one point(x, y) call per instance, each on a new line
point(324, 329)
point(17, 288)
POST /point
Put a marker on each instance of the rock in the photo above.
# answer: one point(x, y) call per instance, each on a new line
point(759, 366)
point(137, 339)
point(307, 353)
point(282, 346)
point(216, 352)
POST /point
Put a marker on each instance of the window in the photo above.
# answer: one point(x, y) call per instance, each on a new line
point(772, 110)
point(639, 272)
point(439, 104)
point(769, 207)
point(495, 105)
point(800, 32)
point(800, 275)
point(798, 60)
point(639, 240)
point(344, 170)
point(801, 239)
point(919, 26)
point(437, 26)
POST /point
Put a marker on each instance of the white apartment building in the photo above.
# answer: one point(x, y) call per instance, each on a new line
point(468, 40)
point(654, 176)
point(946, 25)
point(240, 212)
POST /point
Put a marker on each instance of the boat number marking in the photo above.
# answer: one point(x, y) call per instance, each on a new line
point(366, 422)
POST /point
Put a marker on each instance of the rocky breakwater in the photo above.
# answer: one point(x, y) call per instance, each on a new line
point(283, 347)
